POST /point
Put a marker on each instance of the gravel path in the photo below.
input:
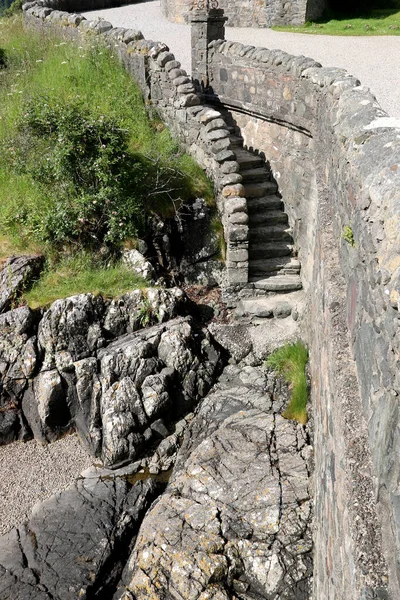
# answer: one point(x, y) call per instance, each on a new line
point(374, 60)
point(30, 473)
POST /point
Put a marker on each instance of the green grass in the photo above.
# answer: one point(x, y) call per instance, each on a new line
point(290, 361)
point(378, 22)
point(43, 70)
point(80, 276)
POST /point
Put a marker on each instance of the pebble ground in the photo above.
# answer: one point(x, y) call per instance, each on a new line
point(31, 473)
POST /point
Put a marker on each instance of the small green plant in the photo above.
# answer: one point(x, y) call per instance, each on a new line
point(348, 236)
point(290, 361)
point(218, 229)
point(145, 312)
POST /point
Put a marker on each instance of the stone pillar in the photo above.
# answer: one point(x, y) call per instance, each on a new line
point(207, 26)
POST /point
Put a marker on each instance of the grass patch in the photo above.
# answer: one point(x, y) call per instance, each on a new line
point(377, 22)
point(83, 161)
point(80, 276)
point(290, 361)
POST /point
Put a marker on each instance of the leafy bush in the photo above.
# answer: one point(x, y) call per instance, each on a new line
point(9, 9)
point(82, 164)
point(82, 159)
point(290, 361)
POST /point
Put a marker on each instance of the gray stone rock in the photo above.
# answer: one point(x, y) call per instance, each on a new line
point(234, 339)
point(159, 372)
point(76, 543)
point(237, 512)
point(71, 325)
point(138, 263)
point(45, 408)
point(15, 276)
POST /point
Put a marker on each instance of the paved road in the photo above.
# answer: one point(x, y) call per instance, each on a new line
point(374, 60)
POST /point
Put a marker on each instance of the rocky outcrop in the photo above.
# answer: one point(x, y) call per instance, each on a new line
point(16, 275)
point(235, 519)
point(234, 522)
point(88, 364)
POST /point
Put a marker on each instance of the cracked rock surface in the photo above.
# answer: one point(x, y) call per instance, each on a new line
point(234, 522)
point(75, 543)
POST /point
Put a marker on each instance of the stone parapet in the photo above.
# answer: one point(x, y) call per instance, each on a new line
point(336, 156)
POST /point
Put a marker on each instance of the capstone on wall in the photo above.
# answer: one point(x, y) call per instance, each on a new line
point(251, 13)
point(337, 161)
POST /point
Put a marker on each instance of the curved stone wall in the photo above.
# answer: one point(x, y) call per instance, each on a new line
point(336, 156)
point(251, 13)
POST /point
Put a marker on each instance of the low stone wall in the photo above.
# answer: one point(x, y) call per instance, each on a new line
point(257, 13)
point(336, 157)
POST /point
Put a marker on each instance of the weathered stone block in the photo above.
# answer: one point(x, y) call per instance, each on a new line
point(238, 233)
point(233, 190)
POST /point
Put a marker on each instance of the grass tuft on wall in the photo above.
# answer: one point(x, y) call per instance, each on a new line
point(290, 361)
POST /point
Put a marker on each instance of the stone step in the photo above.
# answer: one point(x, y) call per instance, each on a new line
point(271, 217)
point(265, 307)
point(246, 159)
point(271, 233)
point(261, 251)
point(256, 175)
point(257, 206)
point(236, 141)
point(258, 190)
point(278, 283)
point(285, 264)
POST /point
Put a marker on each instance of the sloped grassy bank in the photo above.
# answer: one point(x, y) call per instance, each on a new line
point(83, 160)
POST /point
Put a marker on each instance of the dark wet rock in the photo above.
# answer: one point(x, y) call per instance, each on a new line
point(235, 521)
point(76, 543)
point(9, 426)
point(15, 276)
point(201, 248)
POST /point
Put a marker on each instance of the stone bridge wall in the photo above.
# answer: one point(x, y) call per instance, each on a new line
point(253, 13)
point(337, 161)
point(337, 165)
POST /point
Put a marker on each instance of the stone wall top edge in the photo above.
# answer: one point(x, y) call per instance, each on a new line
point(335, 82)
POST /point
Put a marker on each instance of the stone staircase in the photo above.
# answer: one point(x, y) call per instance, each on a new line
point(274, 269)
